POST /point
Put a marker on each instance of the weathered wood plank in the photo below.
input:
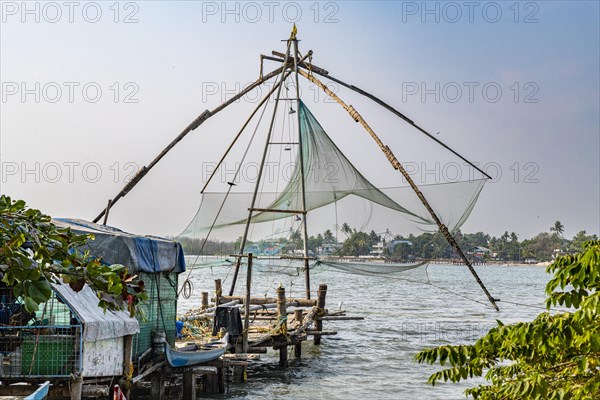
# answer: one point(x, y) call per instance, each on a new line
point(339, 318)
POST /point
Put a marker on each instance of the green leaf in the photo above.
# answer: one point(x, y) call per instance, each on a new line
point(556, 356)
point(40, 290)
point(30, 304)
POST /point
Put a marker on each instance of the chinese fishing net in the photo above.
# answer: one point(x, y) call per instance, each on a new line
point(335, 193)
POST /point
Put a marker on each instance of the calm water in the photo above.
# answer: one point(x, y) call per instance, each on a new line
point(373, 359)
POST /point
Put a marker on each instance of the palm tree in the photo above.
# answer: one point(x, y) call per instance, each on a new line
point(346, 229)
point(558, 228)
point(328, 237)
point(296, 238)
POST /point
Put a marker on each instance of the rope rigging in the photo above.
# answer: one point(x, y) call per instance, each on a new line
point(306, 192)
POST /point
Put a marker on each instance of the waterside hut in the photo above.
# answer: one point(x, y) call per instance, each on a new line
point(74, 343)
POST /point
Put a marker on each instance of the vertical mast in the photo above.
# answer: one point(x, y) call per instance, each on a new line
point(304, 225)
point(260, 170)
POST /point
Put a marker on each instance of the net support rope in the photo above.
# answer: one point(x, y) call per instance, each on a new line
point(398, 166)
point(263, 102)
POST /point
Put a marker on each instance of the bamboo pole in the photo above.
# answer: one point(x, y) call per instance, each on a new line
point(398, 166)
point(270, 300)
point(324, 73)
point(260, 171)
point(302, 177)
point(235, 139)
point(248, 121)
point(106, 213)
point(192, 126)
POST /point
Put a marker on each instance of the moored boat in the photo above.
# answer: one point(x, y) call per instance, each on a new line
point(207, 352)
point(41, 392)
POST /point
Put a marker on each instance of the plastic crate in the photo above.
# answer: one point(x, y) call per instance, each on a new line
point(51, 356)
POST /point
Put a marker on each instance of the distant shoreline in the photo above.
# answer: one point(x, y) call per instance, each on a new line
point(436, 262)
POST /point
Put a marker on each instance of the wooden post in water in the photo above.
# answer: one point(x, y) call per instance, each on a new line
point(247, 305)
point(211, 383)
point(204, 301)
point(218, 292)
point(298, 316)
point(158, 386)
point(76, 386)
point(282, 321)
point(189, 384)
point(281, 309)
point(321, 294)
point(283, 356)
point(298, 346)
point(125, 383)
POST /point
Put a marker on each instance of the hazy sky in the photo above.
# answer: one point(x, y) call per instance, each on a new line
point(93, 90)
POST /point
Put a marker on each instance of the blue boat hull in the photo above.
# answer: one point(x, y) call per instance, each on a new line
point(178, 358)
point(40, 393)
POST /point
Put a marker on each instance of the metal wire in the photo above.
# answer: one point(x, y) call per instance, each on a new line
point(32, 345)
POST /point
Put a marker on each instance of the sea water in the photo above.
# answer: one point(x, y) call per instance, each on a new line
point(373, 358)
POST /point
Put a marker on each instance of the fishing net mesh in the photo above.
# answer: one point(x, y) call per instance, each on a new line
point(334, 189)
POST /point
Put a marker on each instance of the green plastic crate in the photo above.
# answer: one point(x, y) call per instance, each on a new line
point(52, 356)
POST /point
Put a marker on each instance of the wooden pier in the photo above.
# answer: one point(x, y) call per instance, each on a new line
point(277, 323)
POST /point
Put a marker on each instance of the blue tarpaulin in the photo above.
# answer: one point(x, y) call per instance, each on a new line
point(138, 253)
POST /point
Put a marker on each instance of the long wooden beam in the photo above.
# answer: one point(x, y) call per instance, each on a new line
point(297, 61)
point(324, 73)
point(235, 139)
point(195, 124)
point(271, 300)
point(282, 70)
point(398, 166)
point(273, 89)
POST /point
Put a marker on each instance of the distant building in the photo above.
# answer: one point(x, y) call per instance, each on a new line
point(378, 249)
point(480, 253)
point(328, 249)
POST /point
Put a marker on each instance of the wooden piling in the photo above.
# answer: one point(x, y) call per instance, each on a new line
point(204, 301)
point(298, 350)
point(282, 321)
point(298, 346)
point(211, 384)
point(158, 386)
point(321, 294)
point(218, 291)
point(189, 384)
point(281, 309)
point(127, 366)
point(76, 386)
point(247, 305)
point(283, 356)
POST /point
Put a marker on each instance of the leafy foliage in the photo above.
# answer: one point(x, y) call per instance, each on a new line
point(35, 253)
point(557, 228)
point(358, 243)
point(556, 356)
point(479, 246)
